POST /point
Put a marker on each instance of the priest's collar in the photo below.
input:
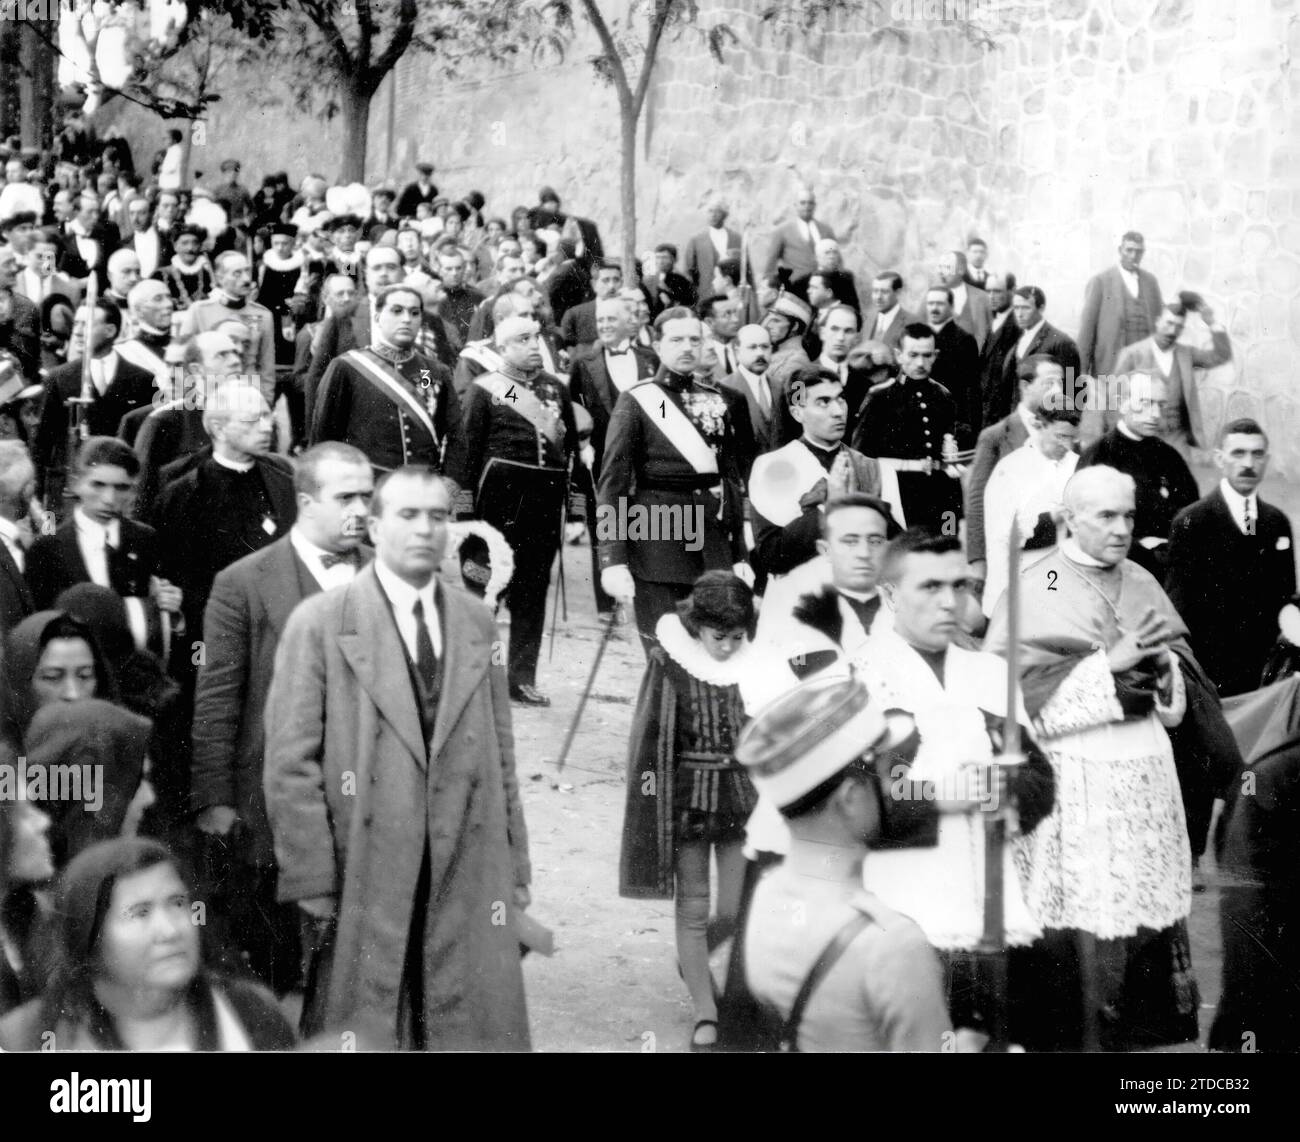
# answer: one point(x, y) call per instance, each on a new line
point(1075, 554)
point(820, 449)
point(1127, 432)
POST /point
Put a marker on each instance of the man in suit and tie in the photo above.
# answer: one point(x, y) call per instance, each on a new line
point(957, 364)
point(1037, 337)
point(838, 334)
point(1120, 306)
point(885, 319)
point(392, 797)
point(721, 317)
point(1003, 335)
point(1231, 567)
point(247, 611)
point(98, 544)
point(117, 387)
point(17, 483)
point(88, 242)
point(578, 326)
point(793, 252)
point(836, 282)
point(1040, 378)
point(709, 247)
point(970, 304)
point(1161, 355)
point(977, 273)
point(339, 334)
point(152, 248)
point(751, 381)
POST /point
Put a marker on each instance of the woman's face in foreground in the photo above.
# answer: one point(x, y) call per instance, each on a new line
point(149, 940)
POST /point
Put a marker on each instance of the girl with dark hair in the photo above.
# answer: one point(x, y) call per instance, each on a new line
point(26, 867)
point(687, 797)
point(129, 972)
point(62, 713)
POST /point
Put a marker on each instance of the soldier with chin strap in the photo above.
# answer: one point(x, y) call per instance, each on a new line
point(520, 438)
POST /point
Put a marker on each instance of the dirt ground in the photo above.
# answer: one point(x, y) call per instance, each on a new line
point(612, 984)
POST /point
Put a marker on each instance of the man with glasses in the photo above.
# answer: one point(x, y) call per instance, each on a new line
point(235, 501)
point(520, 437)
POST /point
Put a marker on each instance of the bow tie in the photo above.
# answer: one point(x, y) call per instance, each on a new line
point(329, 560)
point(619, 352)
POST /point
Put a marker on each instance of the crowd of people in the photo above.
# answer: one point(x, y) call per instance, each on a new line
point(273, 459)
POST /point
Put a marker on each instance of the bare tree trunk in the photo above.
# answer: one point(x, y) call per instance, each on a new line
point(356, 132)
point(38, 86)
point(627, 122)
point(10, 100)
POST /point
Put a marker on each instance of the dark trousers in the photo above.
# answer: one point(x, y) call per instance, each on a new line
point(651, 602)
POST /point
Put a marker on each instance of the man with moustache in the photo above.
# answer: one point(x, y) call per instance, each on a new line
point(392, 797)
point(396, 405)
point(188, 275)
point(247, 611)
point(676, 442)
point(229, 301)
point(520, 437)
point(479, 357)
point(751, 381)
point(969, 304)
point(1231, 567)
point(903, 424)
point(956, 364)
point(789, 488)
point(885, 319)
point(236, 500)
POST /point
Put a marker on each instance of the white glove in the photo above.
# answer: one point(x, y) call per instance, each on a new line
point(744, 572)
point(618, 581)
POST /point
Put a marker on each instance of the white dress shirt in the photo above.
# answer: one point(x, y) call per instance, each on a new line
point(758, 387)
point(1000, 319)
point(958, 298)
point(87, 247)
point(146, 246)
point(1164, 358)
point(883, 320)
point(839, 368)
point(9, 533)
point(718, 236)
point(103, 370)
point(812, 233)
point(93, 540)
point(402, 597)
point(1237, 505)
point(621, 366)
point(339, 575)
point(1027, 336)
point(32, 286)
point(1131, 282)
point(1027, 419)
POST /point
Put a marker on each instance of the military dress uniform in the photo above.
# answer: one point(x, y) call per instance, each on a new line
point(397, 407)
point(644, 471)
point(903, 425)
point(520, 437)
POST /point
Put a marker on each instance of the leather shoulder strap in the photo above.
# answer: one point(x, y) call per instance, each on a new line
point(852, 928)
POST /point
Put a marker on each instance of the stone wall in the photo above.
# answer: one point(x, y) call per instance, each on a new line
point(1081, 119)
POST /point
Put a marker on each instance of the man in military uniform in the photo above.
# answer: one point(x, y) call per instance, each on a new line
point(877, 985)
point(672, 463)
point(520, 438)
point(903, 425)
point(395, 404)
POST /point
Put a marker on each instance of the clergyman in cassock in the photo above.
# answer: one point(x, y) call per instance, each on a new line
point(520, 438)
point(812, 753)
point(395, 404)
point(958, 701)
point(391, 792)
point(671, 464)
point(1110, 870)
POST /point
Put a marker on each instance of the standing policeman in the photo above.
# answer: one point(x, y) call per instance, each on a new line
point(520, 437)
point(671, 465)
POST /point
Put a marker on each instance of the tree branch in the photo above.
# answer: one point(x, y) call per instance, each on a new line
point(402, 36)
point(610, 48)
point(323, 19)
point(663, 9)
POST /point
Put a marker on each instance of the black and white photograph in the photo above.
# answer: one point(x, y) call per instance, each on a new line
point(655, 527)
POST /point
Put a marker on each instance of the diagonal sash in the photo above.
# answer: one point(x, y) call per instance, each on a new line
point(518, 397)
point(396, 392)
point(676, 426)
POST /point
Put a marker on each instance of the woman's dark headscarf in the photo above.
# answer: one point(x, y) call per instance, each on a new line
point(23, 649)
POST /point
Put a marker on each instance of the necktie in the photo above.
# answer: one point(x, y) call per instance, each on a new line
point(328, 559)
point(425, 663)
point(764, 396)
point(1249, 519)
point(727, 361)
